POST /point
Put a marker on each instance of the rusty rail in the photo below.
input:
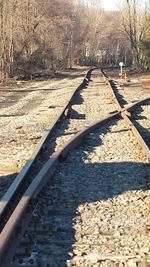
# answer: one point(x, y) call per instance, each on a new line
point(17, 187)
point(125, 114)
point(18, 221)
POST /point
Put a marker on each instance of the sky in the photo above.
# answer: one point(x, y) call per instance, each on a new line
point(109, 4)
point(112, 4)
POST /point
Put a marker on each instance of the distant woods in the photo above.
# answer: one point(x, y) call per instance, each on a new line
point(56, 34)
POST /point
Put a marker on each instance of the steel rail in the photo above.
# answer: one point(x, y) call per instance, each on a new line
point(139, 138)
point(111, 85)
point(130, 107)
point(19, 219)
point(17, 185)
point(125, 115)
point(15, 226)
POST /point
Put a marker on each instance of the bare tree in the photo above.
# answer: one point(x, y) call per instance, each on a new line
point(132, 23)
point(56, 34)
point(7, 25)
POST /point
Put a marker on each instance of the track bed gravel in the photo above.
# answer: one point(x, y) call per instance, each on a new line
point(87, 215)
point(23, 121)
point(141, 118)
point(91, 104)
point(38, 110)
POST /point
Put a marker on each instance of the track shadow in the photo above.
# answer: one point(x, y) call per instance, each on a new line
point(119, 96)
point(63, 125)
point(73, 114)
point(136, 118)
point(79, 182)
point(5, 182)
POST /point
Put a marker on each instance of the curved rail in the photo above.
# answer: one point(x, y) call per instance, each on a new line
point(19, 219)
point(17, 188)
point(125, 115)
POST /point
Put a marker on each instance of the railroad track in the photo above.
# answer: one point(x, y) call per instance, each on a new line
point(21, 182)
point(52, 201)
point(145, 137)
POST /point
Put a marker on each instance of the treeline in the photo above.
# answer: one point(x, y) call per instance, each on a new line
point(55, 34)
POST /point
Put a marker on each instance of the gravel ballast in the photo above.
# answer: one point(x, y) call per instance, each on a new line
point(96, 210)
